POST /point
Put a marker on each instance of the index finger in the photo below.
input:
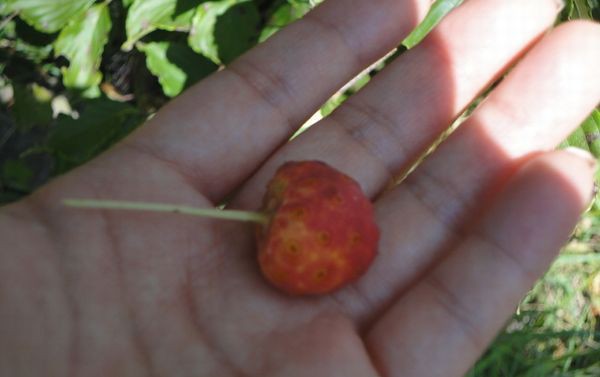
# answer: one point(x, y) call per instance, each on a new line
point(255, 104)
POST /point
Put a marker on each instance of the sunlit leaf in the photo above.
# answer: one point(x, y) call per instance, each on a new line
point(145, 16)
point(176, 65)
point(181, 19)
point(582, 9)
point(587, 137)
point(223, 30)
point(576, 139)
point(283, 13)
point(436, 13)
point(591, 128)
point(5, 7)
point(82, 42)
point(352, 87)
point(48, 15)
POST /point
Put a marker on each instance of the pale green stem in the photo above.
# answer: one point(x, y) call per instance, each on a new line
point(159, 207)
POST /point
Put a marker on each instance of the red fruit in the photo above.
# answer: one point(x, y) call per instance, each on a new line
point(321, 233)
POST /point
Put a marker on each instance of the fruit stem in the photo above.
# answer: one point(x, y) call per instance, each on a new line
point(159, 207)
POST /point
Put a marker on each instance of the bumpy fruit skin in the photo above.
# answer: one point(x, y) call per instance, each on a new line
point(321, 234)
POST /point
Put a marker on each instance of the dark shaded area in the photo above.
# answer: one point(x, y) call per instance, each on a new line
point(117, 65)
point(34, 151)
point(21, 172)
point(125, 73)
point(182, 6)
point(236, 31)
point(18, 68)
point(194, 65)
point(32, 36)
point(147, 92)
point(101, 123)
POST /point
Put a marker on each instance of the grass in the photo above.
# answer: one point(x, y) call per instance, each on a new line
point(555, 331)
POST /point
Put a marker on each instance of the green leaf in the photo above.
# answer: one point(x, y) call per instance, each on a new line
point(145, 16)
point(181, 19)
point(142, 17)
point(436, 13)
point(338, 99)
point(5, 7)
point(82, 42)
point(591, 128)
point(283, 13)
point(17, 175)
point(31, 106)
point(576, 139)
point(100, 124)
point(223, 30)
point(176, 65)
point(587, 137)
point(48, 16)
point(333, 103)
point(351, 88)
point(583, 9)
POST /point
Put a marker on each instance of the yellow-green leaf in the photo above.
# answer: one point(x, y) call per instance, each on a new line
point(145, 16)
point(223, 30)
point(82, 43)
point(436, 13)
point(176, 65)
point(48, 16)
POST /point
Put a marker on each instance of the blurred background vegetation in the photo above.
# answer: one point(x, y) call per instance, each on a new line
point(76, 76)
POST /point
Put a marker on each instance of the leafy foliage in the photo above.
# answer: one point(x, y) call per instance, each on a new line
point(555, 331)
point(100, 123)
point(176, 65)
point(82, 42)
point(47, 16)
point(587, 137)
point(145, 16)
point(222, 30)
point(282, 13)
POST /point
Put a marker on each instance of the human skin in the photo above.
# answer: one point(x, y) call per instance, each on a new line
point(103, 293)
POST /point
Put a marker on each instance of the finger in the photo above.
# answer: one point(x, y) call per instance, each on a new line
point(458, 307)
point(381, 129)
point(427, 212)
point(541, 101)
point(258, 101)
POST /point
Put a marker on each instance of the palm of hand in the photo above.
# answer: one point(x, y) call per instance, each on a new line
point(145, 294)
point(115, 293)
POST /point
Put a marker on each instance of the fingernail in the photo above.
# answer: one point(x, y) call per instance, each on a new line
point(584, 155)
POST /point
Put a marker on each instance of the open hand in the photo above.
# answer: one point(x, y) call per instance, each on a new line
point(103, 293)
